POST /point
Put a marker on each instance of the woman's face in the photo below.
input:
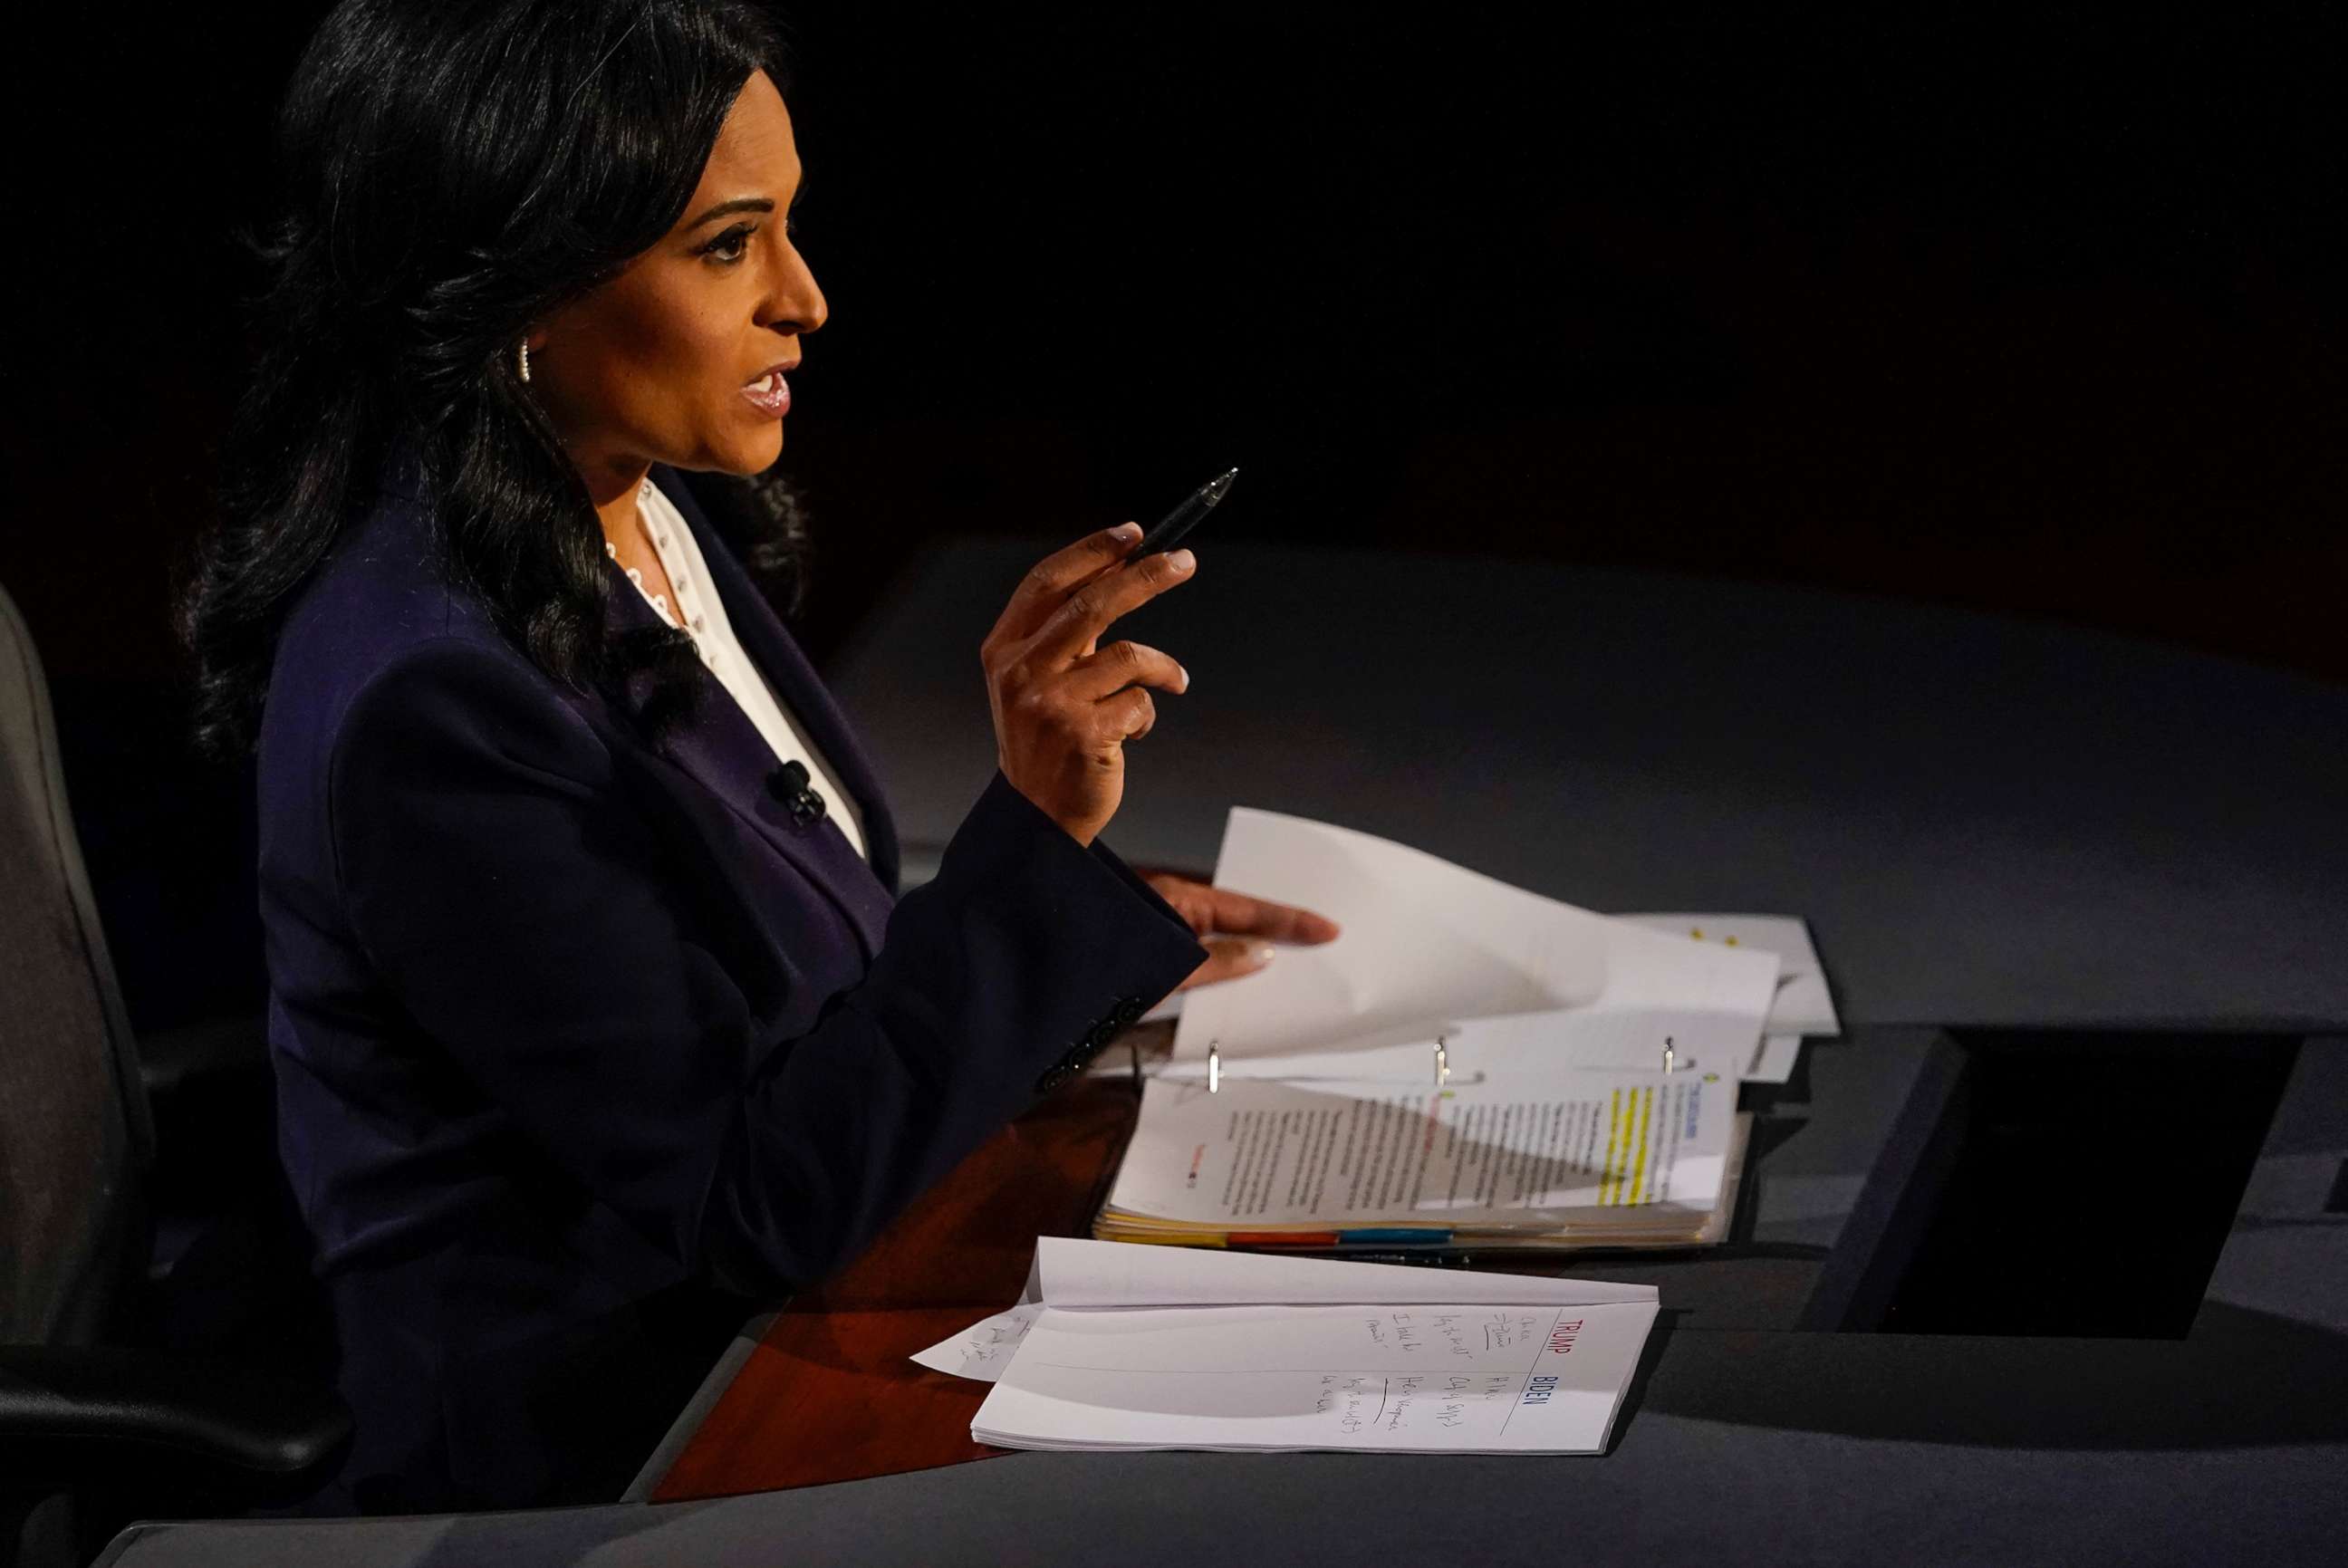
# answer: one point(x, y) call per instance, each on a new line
point(652, 367)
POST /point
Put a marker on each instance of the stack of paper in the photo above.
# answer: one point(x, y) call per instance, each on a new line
point(1142, 1348)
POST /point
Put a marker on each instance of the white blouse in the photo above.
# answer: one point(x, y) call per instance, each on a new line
point(701, 616)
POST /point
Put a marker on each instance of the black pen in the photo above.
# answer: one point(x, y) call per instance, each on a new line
point(1185, 517)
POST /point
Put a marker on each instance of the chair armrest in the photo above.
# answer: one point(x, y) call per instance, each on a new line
point(80, 1414)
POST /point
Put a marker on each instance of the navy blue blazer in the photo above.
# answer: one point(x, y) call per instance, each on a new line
point(584, 1050)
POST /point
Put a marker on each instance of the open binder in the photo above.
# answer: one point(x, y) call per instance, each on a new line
point(1468, 1066)
point(1472, 1152)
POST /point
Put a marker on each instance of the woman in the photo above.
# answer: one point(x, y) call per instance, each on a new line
point(596, 1020)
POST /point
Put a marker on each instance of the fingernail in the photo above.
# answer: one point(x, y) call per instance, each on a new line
point(1260, 951)
point(1126, 532)
point(1181, 560)
point(1186, 678)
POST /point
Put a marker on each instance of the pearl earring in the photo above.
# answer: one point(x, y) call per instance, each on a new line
point(525, 359)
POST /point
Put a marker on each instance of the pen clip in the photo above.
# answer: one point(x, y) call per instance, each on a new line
point(1442, 1061)
point(1214, 1068)
point(1668, 1053)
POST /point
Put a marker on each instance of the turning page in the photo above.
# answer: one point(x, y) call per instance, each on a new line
point(1429, 944)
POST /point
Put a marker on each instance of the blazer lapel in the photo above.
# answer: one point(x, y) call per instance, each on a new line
point(723, 751)
point(778, 656)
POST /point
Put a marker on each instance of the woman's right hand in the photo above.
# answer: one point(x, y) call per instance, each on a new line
point(1064, 707)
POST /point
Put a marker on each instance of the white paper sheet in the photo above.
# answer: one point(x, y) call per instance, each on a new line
point(1423, 938)
point(1428, 945)
point(1803, 1005)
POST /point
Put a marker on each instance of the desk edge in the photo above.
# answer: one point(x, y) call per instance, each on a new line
point(696, 1409)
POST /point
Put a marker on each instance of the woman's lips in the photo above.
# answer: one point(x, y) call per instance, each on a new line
point(771, 396)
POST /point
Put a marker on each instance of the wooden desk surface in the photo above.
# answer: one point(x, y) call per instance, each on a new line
point(829, 1393)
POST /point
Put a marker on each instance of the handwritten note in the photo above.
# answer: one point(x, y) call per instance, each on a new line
point(984, 1349)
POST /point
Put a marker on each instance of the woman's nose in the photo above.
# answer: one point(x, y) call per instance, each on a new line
point(798, 298)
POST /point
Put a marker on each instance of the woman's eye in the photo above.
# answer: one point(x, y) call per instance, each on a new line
point(728, 247)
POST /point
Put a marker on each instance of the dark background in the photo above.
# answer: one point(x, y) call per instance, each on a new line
point(2040, 318)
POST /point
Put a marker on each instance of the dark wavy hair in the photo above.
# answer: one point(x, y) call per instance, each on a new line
point(450, 171)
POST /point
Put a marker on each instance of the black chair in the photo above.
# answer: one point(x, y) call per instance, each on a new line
point(111, 1406)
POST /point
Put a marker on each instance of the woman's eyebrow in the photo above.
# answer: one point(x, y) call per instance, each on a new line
point(749, 205)
point(739, 204)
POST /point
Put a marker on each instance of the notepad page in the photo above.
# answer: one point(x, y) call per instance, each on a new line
point(1420, 1378)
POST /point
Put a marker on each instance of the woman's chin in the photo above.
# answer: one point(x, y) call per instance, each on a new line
point(754, 455)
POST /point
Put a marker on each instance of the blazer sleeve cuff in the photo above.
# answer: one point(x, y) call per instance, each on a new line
point(1132, 879)
point(1110, 928)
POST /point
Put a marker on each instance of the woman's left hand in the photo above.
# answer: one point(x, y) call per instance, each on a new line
point(1238, 931)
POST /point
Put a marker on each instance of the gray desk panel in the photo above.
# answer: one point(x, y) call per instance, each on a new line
point(1986, 821)
point(1741, 1447)
point(1815, 1150)
point(2287, 1255)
